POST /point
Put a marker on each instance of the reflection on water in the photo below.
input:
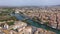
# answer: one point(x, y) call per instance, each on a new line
point(36, 24)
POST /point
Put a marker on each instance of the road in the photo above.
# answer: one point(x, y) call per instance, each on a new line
point(36, 24)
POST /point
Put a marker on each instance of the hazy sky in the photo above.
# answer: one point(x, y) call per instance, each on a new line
point(28, 2)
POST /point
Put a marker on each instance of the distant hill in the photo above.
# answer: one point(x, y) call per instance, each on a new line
point(54, 6)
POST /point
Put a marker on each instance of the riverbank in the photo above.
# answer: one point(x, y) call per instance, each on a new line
point(33, 23)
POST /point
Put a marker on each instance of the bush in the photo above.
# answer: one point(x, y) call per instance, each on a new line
point(46, 23)
point(10, 23)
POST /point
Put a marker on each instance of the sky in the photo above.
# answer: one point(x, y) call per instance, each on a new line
point(29, 2)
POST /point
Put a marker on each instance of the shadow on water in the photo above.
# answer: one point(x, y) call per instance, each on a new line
point(34, 23)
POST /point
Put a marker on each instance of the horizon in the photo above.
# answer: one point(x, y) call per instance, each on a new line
point(29, 2)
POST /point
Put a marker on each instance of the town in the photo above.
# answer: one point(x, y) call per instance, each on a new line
point(10, 24)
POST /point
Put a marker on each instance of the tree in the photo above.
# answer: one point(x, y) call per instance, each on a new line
point(46, 23)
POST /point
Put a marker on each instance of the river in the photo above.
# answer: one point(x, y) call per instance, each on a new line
point(36, 24)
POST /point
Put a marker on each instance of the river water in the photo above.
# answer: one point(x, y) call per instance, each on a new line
point(36, 24)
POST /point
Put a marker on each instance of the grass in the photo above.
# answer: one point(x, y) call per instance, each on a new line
point(10, 23)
